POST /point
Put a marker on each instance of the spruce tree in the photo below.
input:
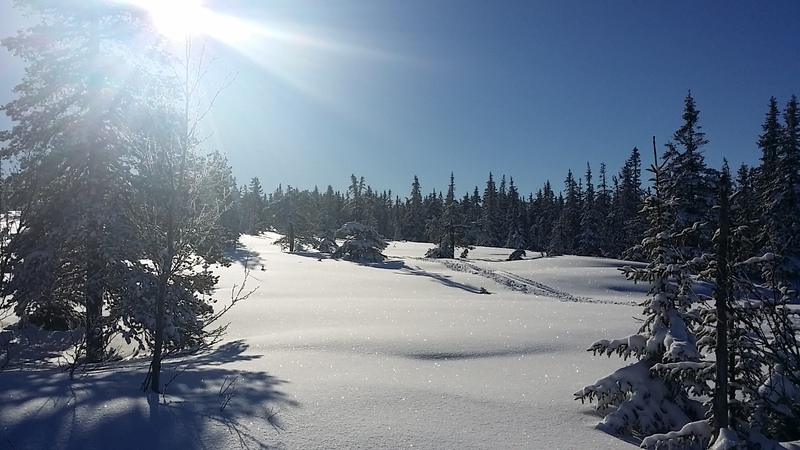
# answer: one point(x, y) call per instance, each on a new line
point(689, 184)
point(516, 219)
point(602, 210)
point(253, 208)
point(362, 243)
point(779, 197)
point(85, 92)
point(590, 241)
point(415, 214)
point(631, 197)
point(655, 394)
point(293, 215)
point(490, 214)
point(566, 233)
point(542, 216)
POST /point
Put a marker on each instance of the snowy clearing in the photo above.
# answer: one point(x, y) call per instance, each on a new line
point(335, 354)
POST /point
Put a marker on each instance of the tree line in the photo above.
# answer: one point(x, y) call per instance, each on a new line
point(583, 218)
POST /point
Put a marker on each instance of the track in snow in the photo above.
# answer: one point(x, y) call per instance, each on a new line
point(518, 283)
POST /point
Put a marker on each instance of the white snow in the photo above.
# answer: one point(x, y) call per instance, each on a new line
point(335, 354)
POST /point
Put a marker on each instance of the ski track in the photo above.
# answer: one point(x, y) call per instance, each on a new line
point(518, 283)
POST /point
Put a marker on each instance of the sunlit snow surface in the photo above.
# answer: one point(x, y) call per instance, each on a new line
point(404, 354)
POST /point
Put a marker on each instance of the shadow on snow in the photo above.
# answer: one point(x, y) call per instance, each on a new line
point(475, 354)
point(245, 257)
point(399, 265)
point(445, 280)
point(205, 406)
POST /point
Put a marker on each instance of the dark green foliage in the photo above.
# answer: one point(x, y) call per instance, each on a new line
point(252, 208)
point(293, 213)
point(688, 184)
point(414, 229)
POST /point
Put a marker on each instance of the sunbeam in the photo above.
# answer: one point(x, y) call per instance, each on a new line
point(178, 19)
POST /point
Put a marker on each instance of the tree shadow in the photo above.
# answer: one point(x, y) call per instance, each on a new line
point(31, 347)
point(389, 264)
point(464, 354)
point(311, 254)
point(245, 257)
point(206, 405)
point(443, 279)
point(400, 266)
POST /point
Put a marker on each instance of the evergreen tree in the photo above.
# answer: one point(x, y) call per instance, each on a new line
point(355, 206)
point(385, 223)
point(293, 214)
point(490, 214)
point(760, 380)
point(590, 241)
point(434, 227)
point(654, 394)
point(415, 214)
point(688, 183)
point(516, 219)
point(559, 239)
point(452, 228)
point(330, 212)
point(779, 199)
point(615, 234)
point(85, 91)
point(542, 214)
point(253, 208)
point(631, 197)
point(602, 210)
point(568, 222)
point(502, 223)
point(362, 243)
point(744, 215)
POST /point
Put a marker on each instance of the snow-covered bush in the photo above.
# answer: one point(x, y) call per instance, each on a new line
point(327, 245)
point(362, 243)
point(298, 244)
point(517, 255)
point(438, 252)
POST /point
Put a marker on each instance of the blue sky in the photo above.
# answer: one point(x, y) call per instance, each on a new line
point(530, 89)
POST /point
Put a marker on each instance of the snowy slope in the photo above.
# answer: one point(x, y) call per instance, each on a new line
point(402, 354)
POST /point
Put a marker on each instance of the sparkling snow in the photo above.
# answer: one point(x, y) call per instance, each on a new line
point(335, 354)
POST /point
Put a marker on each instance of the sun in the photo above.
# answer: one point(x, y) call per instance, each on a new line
point(177, 19)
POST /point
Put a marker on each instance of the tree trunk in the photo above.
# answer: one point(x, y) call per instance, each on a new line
point(93, 253)
point(452, 248)
point(171, 225)
point(291, 237)
point(721, 296)
point(161, 299)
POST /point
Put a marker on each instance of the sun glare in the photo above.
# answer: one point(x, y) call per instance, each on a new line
point(175, 19)
point(178, 19)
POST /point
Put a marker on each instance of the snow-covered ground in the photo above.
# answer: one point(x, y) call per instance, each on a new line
point(334, 354)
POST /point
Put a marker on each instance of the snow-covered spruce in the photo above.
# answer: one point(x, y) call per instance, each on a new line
point(659, 393)
point(362, 243)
